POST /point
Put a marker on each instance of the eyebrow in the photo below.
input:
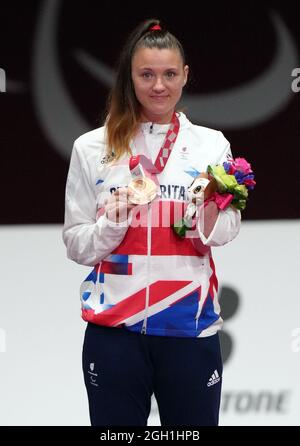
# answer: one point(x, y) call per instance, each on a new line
point(149, 68)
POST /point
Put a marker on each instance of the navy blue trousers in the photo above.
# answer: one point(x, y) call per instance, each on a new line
point(123, 369)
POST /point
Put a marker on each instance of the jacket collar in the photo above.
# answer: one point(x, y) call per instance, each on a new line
point(156, 129)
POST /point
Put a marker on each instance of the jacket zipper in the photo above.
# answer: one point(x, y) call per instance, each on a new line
point(144, 327)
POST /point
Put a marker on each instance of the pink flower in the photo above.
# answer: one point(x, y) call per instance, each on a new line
point(250, 183)
point(242, 165)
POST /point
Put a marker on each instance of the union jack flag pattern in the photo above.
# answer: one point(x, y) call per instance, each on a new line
point(143, 276)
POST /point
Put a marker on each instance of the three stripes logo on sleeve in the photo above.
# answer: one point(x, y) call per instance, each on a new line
point(214, 379)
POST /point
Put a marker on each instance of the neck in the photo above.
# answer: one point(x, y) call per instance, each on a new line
point(157, 119)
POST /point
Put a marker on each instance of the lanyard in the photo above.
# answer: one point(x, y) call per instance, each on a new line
point(141, 166)
point(166, 148)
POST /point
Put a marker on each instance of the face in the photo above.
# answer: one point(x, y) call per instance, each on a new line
point(158, 77)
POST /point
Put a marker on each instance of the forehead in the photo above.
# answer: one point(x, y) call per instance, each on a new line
point(155, 57)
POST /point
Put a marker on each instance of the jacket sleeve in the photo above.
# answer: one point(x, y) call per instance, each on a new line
point(228, 222)
point(88, 240)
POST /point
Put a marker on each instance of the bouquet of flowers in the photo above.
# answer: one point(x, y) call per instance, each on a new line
point(226, 184)
point(234, 177)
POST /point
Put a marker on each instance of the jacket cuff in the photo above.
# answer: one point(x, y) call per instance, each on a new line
point(226, 227)
point(106, 222)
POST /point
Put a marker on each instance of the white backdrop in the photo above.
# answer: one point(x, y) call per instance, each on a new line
point(41, 332)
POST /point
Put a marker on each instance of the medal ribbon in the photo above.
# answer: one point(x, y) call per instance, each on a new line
point(166, 149)
point(140, 165)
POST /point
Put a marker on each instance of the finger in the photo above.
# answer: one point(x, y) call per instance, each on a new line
point(121, 191)
point(121, 197)
point(116, 206)
point(115, 198)
point(130, 192)
point(110, 207)
point(131, 206)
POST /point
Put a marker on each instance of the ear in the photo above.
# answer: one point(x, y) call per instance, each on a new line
point(186, 72)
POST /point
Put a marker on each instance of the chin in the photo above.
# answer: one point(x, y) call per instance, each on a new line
point(160, 110)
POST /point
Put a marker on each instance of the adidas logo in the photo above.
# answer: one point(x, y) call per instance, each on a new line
point(215, 378)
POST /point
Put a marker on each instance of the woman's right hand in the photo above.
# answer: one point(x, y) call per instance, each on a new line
point(117, 206)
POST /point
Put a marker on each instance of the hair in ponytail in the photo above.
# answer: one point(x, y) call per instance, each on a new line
point(123, 108)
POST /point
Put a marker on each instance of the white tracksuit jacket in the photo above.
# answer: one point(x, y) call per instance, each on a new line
point(144, 276)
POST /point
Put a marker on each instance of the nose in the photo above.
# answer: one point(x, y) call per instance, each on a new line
point(158, 85)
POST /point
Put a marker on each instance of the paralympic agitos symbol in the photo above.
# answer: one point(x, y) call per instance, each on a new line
point(229, 302)
point(249, 104)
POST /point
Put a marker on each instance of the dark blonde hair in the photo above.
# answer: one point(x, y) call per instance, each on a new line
point(123, 108)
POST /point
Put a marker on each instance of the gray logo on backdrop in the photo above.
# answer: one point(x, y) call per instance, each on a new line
point(229, 302)
point(2, 81)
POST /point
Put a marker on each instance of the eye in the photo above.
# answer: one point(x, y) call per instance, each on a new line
point(147, 75)
point(171, 74)
point(197, 189)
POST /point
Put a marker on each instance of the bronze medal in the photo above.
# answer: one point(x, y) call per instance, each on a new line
point(142, 190)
